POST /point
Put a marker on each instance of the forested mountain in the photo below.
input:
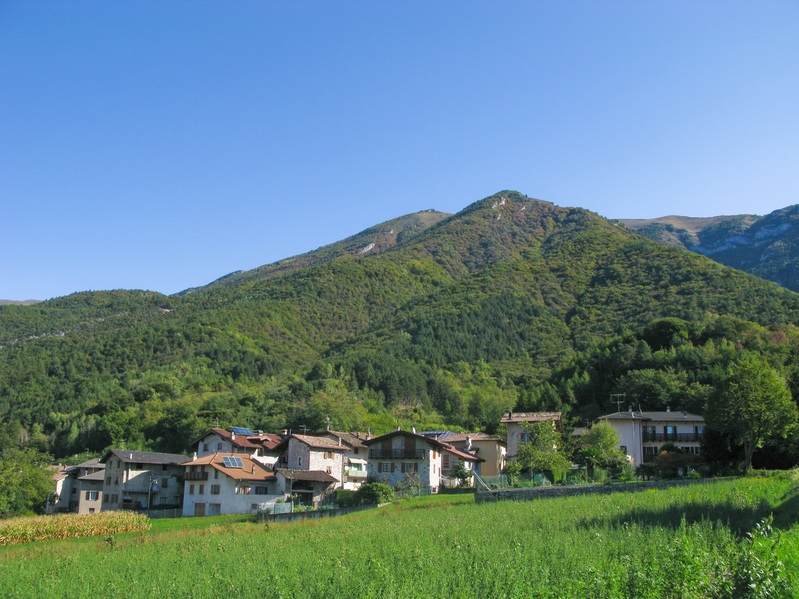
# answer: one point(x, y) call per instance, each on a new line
point(766, 246)
point(434, 319)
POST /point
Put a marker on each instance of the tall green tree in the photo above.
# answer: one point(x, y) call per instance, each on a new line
point(599, 447)
point(543, 452)
point(753, 404)
point(24, 481)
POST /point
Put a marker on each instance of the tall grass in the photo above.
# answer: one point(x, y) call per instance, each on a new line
point(69, 526)
point(686, 542)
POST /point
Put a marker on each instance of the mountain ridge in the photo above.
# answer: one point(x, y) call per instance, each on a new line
point(451, 320)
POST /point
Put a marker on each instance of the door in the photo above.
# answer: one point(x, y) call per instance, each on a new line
point(199, 509)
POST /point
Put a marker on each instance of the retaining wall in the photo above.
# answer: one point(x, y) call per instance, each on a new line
point(481, 496)
point(296, 516)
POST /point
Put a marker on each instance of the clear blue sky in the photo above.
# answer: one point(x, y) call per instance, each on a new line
point(160, 145)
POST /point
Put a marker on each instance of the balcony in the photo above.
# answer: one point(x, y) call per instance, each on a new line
point(195, 476)
point(378, 453)
point(674, 437)
point(355, 473)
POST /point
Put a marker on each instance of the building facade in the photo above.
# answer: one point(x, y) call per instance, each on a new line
point(642, 434)
point(136, 480)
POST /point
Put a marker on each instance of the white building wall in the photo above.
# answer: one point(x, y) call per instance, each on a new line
point(228, 500)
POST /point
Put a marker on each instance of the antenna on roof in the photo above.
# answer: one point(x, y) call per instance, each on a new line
point(619, 399)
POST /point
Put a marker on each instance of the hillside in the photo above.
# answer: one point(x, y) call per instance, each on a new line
point(766, 246)
point(445, 321)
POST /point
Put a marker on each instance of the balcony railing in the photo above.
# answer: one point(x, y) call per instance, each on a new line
point(674, 437)
point(195, 476)
point(355, 473)
point(378, 453)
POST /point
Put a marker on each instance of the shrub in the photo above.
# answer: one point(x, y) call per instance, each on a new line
point(374, 494)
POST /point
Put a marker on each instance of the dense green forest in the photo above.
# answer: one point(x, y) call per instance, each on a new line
point(447, 321)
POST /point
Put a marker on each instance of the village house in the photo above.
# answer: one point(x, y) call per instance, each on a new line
point(141, 479)
point(642, 434)
point(401, 456)
point(490, 448)
point(227, 483)
point(238, 440)
point(78, 489)
point(314, 454)
point(307, 487)
point(355, 458)
point(515, 423)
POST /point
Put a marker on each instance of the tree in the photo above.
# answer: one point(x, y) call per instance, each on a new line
point(752, 404)
point(462, 474)
point(24, 481)
point(600, 447)
point(542, 452)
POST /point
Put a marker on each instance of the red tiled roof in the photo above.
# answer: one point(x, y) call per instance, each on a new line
point(252, 470)
point(462, 455)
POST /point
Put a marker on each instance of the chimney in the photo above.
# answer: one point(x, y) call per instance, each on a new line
point(468, 442)
point(339, 441)
point(194, 456)
point(668, 408)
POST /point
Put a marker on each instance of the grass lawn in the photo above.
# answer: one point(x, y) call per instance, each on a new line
point(684, 542)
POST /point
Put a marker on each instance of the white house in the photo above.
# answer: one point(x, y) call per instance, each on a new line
point(642, 434)
point(238, 440)
point(401, 455)
point(227, 483)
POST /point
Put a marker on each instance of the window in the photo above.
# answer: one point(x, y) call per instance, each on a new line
point(214, 489)
point(191, 489)
point(446, 461)
point(299, 462)
point(356, 451)
point(202, 489)
point(670, 433)
point(261, 490)
point(329, 470)
point(623, 449)
point(91, 510)
point(74, 490)
point(92, 495)
point(205, 446)
point(162, 500)
point(219, 446)
point(165, 482)
point(216, 474)
point(163, 468)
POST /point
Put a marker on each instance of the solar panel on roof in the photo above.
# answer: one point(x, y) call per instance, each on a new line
point(232, 462)
point(241, 430)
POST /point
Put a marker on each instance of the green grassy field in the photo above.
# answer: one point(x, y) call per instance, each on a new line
point(683, 542)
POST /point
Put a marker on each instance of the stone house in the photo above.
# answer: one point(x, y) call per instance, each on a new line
point(137, 480)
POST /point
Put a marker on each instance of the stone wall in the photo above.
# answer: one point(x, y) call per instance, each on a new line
point(481, 495)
